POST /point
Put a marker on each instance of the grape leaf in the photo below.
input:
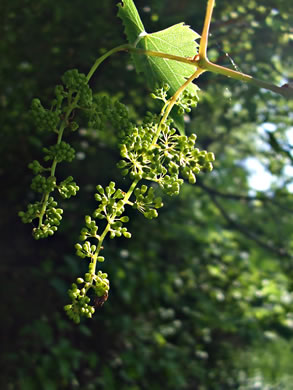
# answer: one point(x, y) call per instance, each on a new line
point(177, 40)
point(130, 17)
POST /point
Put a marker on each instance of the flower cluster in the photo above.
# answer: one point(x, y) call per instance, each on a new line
point(59, 152)
point(108, 118)
point(68, 188)
point(77, 84)
point(75, 93)
point(51, 217)
point(152, 151)
point(161, 93)
point(172, 158)
point(146, 202)
point(44, 119)
point(111, 208)
point(185, 102)
point(80, 306)
point(43, 184)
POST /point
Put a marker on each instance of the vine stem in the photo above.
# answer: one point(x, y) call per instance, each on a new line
point(205, 65)
point(104, 57)
point(99, 246)
point(108, 226)
point(201, 60)
point(45, 199)
point(205, 31)
point(166, 112)
point(152, 53)
point(172, 101)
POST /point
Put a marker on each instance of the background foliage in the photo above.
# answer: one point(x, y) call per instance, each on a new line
point(204, 288)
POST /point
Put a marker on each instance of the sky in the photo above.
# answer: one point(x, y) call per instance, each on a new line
point(260, 179)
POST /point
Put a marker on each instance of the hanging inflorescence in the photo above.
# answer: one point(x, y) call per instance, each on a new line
point(153, 154)
point(74, 93)
point(156, 155)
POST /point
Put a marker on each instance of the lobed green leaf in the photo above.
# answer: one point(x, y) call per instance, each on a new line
point(177, 40)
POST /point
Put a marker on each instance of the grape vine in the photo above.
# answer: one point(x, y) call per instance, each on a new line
point(154, 154)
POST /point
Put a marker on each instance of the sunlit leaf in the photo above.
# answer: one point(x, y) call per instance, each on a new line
point(178, 40)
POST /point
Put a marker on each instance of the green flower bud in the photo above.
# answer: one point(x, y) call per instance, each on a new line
point(73, 126)
point(208, 167)
point(196, 170)
point(100, 189)
point(87, 277)
point(88, 220)
point(122, 164)
point(98, 197)
point(210, 157)
point(191, 178)
point(143, 189)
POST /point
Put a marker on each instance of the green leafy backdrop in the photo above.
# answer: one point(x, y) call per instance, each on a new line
point(204, 288)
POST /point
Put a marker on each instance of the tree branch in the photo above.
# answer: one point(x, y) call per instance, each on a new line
point(247, 231)
point(242, 197)
point(201, 60)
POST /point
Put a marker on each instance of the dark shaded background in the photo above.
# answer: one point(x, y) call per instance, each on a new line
point(198, 295)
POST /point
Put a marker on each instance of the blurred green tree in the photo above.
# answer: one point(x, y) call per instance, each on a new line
point(195, 289)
